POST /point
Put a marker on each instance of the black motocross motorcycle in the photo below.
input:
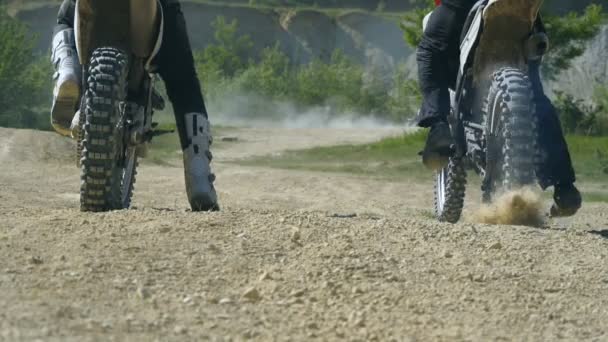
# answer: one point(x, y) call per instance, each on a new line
point(116, 42)
point(493, 115)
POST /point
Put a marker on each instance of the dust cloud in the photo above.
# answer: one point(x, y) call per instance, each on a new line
point(523, 207)
point(248, 110)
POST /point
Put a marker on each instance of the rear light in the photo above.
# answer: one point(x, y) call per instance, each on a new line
point(437, 2)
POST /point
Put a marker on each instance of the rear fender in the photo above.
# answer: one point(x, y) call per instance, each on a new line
point(146, 27)
point(507, 25)
point(159, 39)
point(469, 41)
point(101, 23)
point(133, 26)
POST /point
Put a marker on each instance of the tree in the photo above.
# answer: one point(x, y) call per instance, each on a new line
point(412, 21)
point(24, 77)
point(568, 36)
point(270, 77)
point(230, 52)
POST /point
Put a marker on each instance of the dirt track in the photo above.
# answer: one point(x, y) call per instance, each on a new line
point(284, 260)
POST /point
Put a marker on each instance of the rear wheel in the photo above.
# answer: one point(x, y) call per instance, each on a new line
point(108, 164)
point(511, 132)
point(450, 186)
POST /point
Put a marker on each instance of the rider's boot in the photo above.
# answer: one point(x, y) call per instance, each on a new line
point(439, 146)
point(568, 200)
point(197, 157)
point(66, 94)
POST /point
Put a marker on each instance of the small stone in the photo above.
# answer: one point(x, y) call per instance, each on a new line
point(230, 139)
point(296, 301)
point(265, 276)
point(295, 235)
point(143, 293)
point(180, 329)
point(391, 260)
point(357, 290)
point(36, 260)
point(466, 298)
point(252, 294)
point(187, 300)
point(347, 215)
point(214, 249)
point(392, 278)
point(164, 230)
point(552, 290)
point(298, 293)
point(447, 254)
point(495, 246)
point(225, 301)
point(312, 326)
point(356, 319)
point(479, 278)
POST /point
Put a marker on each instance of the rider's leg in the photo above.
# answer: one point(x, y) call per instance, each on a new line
point(555, 168)
point(176, 67)
point(440, 44)
point(66, 93)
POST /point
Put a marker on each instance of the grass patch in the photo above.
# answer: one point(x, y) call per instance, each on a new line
point(391, 158)
point(397, 157)
point(590, 157)
point(594, 196)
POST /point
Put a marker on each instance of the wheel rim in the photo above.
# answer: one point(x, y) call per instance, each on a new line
point(127, 176)
point(495, 108)
point(441, 192)
point(494, 129)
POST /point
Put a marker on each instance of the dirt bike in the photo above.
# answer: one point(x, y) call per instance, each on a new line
point(493, 118)
point(117, 41)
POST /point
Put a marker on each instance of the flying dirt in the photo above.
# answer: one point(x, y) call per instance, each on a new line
point(293, 255)
point(522, 207)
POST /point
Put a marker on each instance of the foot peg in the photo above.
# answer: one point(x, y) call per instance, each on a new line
point(437, 159)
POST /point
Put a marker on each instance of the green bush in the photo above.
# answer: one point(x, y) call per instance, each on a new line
point(338, 83)
point(340, 86)
point(412, 21)
point(271, 77)
point(405, 97)
point(229, 53)
point(25, 79)
point(580, 118)
point(601, 101)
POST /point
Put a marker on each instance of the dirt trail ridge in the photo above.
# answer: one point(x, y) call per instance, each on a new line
point(293, 255)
